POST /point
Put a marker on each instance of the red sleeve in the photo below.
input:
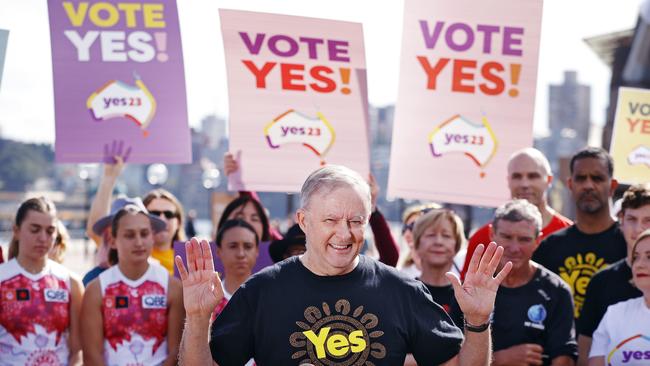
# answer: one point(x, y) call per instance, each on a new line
point(384, 241)
point(1, 257)
point(557, 222)
point(481, 236)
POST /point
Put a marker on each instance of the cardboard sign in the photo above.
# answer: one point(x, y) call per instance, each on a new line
point(118, 76)
point(297, 97)
point(466, 98)
point(630, 147)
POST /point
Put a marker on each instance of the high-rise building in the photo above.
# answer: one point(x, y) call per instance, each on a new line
point(569, 109)
point(214, 129)
point(569, 123)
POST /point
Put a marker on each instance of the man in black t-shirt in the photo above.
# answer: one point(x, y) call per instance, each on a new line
point(614, 283)
point(532, 322)
point(331, 305)
point(595, 240)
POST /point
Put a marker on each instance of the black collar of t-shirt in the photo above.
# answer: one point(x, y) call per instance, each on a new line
point(613, 227)
point(355, 273)
point(536, 275)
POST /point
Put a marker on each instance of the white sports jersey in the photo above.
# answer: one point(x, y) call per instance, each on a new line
point(135, 317)
point(34, 315)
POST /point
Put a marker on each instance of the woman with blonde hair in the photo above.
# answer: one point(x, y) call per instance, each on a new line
point(437, 237)
point(60, 244)
point(159, 202)
point(409, 263)
point(167, 207)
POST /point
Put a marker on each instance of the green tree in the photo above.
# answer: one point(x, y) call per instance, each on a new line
point(22, 163)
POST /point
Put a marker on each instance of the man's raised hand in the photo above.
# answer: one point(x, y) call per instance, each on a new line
point(476, 294)
point(201, 284)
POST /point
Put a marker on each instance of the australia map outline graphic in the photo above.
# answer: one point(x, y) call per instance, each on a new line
point(640, 155)
point(458, 134)
point(293, 127)
point(118, 99)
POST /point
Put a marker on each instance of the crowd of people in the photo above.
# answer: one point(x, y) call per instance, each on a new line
point(531, 287)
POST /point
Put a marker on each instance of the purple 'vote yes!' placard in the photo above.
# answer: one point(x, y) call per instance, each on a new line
point(118, 76)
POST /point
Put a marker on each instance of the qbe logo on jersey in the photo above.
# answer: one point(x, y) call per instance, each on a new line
point(154, 302)
point(55, 295)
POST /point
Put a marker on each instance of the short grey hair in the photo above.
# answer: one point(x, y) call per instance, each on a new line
point(516, 211)
point(330, 177)
point(536, 155)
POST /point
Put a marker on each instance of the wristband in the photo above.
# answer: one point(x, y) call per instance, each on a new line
point(477, 328)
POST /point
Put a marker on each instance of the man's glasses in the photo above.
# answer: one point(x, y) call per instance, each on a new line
point(168, 214)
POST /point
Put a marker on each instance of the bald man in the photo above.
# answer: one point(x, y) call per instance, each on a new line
point(529, 178)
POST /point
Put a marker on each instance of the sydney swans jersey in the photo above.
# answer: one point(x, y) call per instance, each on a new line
point(34, 315)
point(134, 315)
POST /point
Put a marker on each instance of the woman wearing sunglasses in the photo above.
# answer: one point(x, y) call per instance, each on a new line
point(164, 205)
point(159, 202)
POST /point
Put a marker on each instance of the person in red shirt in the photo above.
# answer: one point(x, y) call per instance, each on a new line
point(529, 178)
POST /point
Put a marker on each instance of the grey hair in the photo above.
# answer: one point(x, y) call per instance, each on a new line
point(536, 155)
point(516, 211)
point(330, 177)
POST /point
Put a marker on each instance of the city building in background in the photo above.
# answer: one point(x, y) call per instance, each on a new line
point(569, 125)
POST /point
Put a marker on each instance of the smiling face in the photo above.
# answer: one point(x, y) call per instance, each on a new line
point(519, 241)
point(36, 235)
point(591, 186)
point(527, 179)
point(134, 238)
point(641, 266)
point(437, 245)
point(334, 224)
point(238, 251)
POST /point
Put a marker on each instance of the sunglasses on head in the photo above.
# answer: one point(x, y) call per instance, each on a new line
point(409, 227)
point(168, 214)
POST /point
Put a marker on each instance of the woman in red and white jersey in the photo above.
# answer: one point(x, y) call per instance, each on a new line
point(40, 299)
point(133, 312)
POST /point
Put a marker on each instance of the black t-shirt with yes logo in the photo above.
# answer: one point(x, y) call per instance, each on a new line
point(576, 256)
point(287, 315)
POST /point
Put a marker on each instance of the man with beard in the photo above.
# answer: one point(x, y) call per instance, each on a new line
point(614, 283)
point(529, 178)
point(595, 240)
